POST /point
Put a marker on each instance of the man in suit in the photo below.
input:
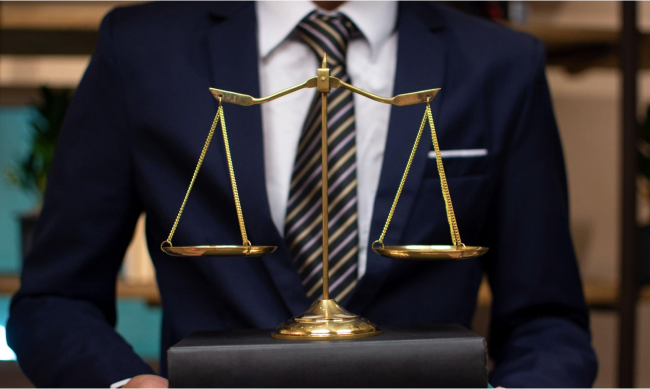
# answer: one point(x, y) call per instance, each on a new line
point(139, 118)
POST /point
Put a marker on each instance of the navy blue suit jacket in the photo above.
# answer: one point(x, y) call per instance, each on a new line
point(130, 143)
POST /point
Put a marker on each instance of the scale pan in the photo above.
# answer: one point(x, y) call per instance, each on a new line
point(431, 252)
point(219, 251)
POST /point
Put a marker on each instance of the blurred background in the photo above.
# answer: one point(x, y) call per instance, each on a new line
point(599, 75)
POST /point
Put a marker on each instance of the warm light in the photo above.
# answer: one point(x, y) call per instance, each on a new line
point(6, 354)
point(320, 332)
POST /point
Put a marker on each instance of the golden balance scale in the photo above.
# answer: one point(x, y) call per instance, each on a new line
point(325, 319)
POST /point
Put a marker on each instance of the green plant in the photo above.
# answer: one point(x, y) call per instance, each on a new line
point(31, 173)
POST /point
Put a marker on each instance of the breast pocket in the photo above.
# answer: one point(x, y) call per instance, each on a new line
point(458, 163)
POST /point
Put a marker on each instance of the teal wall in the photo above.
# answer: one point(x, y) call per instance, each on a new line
point(15, 135)
point(138, 323)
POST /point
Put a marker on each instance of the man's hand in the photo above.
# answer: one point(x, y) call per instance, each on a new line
point(147, 381)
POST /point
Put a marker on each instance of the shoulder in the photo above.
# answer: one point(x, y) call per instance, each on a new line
point(172, 13)
point(143, 17)
point(488, 40)
point(485, 50)
point(159, 24)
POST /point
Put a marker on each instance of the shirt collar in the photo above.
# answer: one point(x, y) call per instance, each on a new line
point(276, 20)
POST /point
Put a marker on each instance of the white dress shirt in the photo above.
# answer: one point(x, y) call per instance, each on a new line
point(284, 60)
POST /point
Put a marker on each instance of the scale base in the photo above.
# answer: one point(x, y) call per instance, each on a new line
point(326, 320)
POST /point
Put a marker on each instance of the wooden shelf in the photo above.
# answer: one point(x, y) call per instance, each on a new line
point(147, 292)
point(599, 294)
point(555, 37)
point(578, 49)
point(69, 28)
point(52, 28)
point(21, 75)
point(56, 15)
point(30, 58)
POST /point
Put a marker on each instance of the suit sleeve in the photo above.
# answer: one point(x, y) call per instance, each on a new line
point(539, 334)
point(62, 320)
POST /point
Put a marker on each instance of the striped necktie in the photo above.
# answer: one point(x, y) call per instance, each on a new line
point(303, 223)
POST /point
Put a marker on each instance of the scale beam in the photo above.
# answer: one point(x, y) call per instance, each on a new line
point(399, 100)
point(247, 100)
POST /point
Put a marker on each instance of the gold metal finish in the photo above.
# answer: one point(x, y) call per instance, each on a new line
point(430, 252)
point(218, 251)
point(458, 250)
point(323, 78)
point(233, 182)
point(401, 184)
point(246, 249)
point(324, 89)
point(399, 100)
point(326, 320)
point(247, 100)
point(451, 216)
point(196, 172)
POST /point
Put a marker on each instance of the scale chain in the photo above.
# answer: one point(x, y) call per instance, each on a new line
point(401, 184)
point(218, 117)
point(451, 217)
point(233, 182)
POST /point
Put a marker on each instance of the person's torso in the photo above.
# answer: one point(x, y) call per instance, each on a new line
point(170, 111)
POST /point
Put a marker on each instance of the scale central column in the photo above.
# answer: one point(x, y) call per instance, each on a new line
point(325, 319)
point(323, 86)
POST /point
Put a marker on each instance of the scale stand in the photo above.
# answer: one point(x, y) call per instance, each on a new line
point(325, 319)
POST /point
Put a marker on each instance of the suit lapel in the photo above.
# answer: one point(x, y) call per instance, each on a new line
point(420, 65)
point(232, 48)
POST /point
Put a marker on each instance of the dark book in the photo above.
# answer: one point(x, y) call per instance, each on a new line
point(436, 356)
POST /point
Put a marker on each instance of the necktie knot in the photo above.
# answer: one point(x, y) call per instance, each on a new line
point(327, 34)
